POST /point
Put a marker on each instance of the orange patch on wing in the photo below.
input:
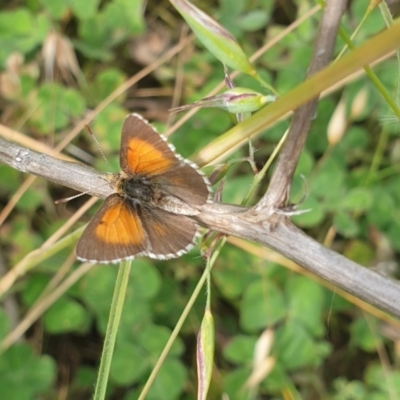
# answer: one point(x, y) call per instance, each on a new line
point(119, 225)
point(144, 157)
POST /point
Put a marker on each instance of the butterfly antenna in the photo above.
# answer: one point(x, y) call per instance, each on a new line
point(87, 127)
point(70, 198)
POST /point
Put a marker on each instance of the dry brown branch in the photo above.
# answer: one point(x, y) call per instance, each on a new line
point(275, 232)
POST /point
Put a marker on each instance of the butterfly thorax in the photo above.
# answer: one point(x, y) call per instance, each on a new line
point(145, 192)
point(138, 189)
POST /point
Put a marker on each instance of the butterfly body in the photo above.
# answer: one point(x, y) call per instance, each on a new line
point(148, 215)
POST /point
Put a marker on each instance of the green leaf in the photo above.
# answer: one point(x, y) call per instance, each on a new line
point(262, 306)
point(306, 303)
point(240, 349)
point(382, 209)
point(234, 272)
point(355, 138)
point(34, 288)
point(345, 224)
point(234, 382)
point(310, 218)
point(253, 20)
point(105, 29)
point(9, 180)
point(32, 198)
point(104, 84)
point(170, 381)
point(23, 375)
point(145, 280)
point(153, 339)
point(129, 363)
point(84, 9)
point(328, 182)
point(65, 315)
point(107, 127)
point(296, 348)
point(354, 390)
point(57, 106)
point(387, 382)
point(56, 8)
point(214, 37)
point(21, 31)
point(362, 336)
point(357, 200)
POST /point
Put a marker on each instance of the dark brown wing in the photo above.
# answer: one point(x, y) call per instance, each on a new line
point(170, 235)
point(186, 183)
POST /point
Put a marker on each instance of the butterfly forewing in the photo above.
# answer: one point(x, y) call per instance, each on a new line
point(116, 232)
point(143, 151)
point(186, 183)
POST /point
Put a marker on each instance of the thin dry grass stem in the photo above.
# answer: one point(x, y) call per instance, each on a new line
point(69, 223)
point(15, 198)
point(254, 57)
point(271, 256)
point(154, 92)
point(330, 236)
point(59, 275)
point(179, 75)
point(13, 274)
point(43, 304)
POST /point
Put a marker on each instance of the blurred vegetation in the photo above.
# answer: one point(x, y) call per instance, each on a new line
point(60, 59)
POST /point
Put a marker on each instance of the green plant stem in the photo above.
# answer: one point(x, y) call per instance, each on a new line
point(378, 155)
point(260, 176)
point(117, 305)
point(373, 78)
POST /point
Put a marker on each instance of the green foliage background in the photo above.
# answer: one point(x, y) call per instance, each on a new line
point(324, 346)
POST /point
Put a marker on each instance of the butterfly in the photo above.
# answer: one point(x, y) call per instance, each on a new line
point(155, 194)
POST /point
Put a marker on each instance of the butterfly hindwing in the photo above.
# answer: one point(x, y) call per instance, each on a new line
point(170, 235)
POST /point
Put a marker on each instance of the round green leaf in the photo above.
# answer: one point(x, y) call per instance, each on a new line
point(381, 211)
point(345, 224)
point(306, 302)
point(129, 363)
point(296, 348)
point(313, 216)
point(358, 200)
point(153, 339)
point(262, 306)
point(170, 381)
point(65, 315)
point(240, 349)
